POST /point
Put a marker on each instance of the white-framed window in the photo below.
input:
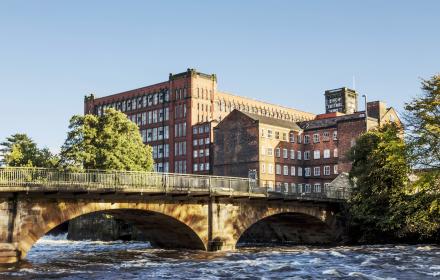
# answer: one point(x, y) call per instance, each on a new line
point(195, 142)
point(316, 154)
point(317, 188)
point(285, 154)
point(316, 138)
point(306, 139)
point(316, 171)
point(335, 169)
point(262, 132)
point(335, 152)
point(278, 152)
point(307, 171)
point(292, 137)
point(201, 153)
point(335, 135)
point(292, 171)
point(270, 168)
point(269, 133)
point(327, 153)
point(299, 153)
point(306, 155)
point(263, 168)
point(299, 138)
point(201, 166)
point(285, 170)
point(292, 154)
point(195, 154)
point(277, 135)
point(327, 170)
point(300, 171)
point(278, 169)
point(207, 166)
point(326, 136)
point(195, 166)
point(207, 152)
point(201, 140)
point(207, 140)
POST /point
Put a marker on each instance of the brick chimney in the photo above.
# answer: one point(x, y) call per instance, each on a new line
point(376, 109)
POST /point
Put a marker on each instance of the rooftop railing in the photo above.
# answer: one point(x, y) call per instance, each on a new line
point(13, 179)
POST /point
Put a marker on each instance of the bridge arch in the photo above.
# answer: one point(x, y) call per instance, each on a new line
point(266, 221)
point(168, 225)
point(287, 228)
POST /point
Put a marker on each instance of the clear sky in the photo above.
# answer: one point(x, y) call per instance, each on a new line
point(52, 53)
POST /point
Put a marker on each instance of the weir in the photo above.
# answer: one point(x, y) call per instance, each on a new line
point(174, 210)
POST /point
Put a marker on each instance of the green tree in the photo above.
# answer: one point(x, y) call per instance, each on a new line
point(21, 150)
point(422, 120)
point(110, 141)
point(423, 135)
point(379, 175)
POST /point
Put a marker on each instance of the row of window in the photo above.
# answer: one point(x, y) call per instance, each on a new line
point(269, 133)
point(203, 93)
point(317, 137)
point(154, 134)
point(297, 171)
point(199, 129)
point(150, 117)
point(180, 129)
point(161, 151)
point(317, 170)
point(180, 111)
point(317, 154)
point(294, 188)
point(180, 148)
point(291, 153)
point(136, 103)
point(201, 167)
point(201, 141)
point(180, 166)
point(201, 153)
point(228, 106)
point(162, 167)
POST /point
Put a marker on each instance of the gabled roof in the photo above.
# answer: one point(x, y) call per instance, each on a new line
point(272, 121)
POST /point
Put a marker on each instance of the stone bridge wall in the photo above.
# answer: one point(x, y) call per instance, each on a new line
point(204, 223)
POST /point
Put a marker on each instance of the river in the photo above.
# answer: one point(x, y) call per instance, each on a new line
point(58, 258)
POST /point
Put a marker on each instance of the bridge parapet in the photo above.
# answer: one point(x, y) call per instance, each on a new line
point(28, 179)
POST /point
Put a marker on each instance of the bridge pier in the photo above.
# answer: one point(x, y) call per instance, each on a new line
point(8, 253)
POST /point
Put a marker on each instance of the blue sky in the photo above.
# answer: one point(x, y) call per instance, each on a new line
point(52, 53)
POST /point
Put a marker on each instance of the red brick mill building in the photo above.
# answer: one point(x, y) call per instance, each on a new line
point(194, 128)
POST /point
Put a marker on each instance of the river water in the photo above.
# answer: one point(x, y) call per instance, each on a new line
point(58, 258)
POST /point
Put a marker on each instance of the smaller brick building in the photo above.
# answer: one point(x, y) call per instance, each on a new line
point(292, 156)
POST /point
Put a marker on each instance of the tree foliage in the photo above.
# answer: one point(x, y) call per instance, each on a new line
point(110, 141)
point(384, 202)
point(379, 174)
point(423, 125)
point(20, 150)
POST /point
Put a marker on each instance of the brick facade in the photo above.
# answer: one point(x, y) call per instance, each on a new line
point(167, 113)
point(300, 157)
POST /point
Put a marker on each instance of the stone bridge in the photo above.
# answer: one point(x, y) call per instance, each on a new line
point(172, 210)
